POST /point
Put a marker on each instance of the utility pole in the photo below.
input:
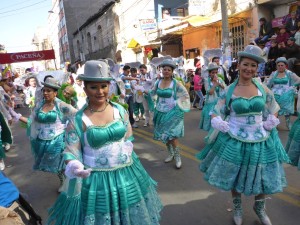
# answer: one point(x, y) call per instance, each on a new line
point(225, 27)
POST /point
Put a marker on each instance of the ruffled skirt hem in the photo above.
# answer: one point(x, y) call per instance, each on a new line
point(248, 168)
point(168, 125)
point(120, 197)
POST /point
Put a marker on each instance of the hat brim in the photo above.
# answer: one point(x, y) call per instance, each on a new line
point(213, 68)
point(50, 85)
point(95, 79)
point(168, 64)
point(281, 60)
point(256, 58)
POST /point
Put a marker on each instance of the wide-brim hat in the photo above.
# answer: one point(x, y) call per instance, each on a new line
point(281, 59)
point(168, 62)
point(52, 83)
point(252, 52)
point(212, 66)
point(96, 70)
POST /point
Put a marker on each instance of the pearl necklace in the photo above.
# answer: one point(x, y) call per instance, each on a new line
point(101, 110)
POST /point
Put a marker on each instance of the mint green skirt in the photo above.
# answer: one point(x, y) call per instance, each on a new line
point(293, 144)
point(123, 196)
point(168, 125)
point(248, 168)
point(205, 119)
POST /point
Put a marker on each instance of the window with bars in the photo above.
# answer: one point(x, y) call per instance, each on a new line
point(238, 36)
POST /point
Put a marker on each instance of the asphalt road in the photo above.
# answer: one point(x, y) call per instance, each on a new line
point(187, 198)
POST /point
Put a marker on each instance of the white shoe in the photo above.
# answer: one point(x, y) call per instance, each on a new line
point(137, 119)
point(2, 165)
point(142, 117)
point(135, 125)
point(7, 147)
point(146, 124)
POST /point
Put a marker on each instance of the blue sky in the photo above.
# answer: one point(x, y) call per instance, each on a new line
point(19, 20)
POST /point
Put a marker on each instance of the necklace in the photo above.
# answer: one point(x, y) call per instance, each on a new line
point(101, 110)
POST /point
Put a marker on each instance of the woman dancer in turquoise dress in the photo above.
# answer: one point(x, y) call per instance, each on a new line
point(46, 129)
point(246, 156)
point(282, 83)
point(172, 102)
point(293, 144)
point(214, 86)
point(107, 184)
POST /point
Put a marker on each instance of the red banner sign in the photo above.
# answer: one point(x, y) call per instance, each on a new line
point(26, 56)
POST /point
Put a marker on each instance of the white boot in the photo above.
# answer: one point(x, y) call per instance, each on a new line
point(260, 210)
point(171, 154)
point(237, 210)
point(177, 157)
point(2, 165)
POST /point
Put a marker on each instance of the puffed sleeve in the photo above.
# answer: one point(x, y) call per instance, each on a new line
point(271, 106)
point(73, 140)
point(182, 98)
point(128, 134)
point(220, 108)
point(295, 80)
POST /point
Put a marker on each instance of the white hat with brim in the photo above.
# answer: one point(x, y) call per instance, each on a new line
point(97, 71)
point(51, 83)
point(168, 62)
point(281, 59)
point(252, 52)
point(212, 66)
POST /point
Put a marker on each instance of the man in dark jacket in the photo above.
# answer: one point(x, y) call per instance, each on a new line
point(292, 24)
point(265, 31)
point(292, 52)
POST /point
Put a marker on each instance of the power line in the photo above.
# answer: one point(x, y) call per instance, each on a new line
point(23, 7)
point(19, 12)
point(18, 3)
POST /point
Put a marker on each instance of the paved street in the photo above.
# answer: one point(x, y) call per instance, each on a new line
point(187, 198)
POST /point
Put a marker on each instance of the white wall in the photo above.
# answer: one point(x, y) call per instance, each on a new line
point(130, 12)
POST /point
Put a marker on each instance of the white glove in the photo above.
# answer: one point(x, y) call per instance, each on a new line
point(16, 116)
point(219, 124)
point(76, 169)
point(271, 122)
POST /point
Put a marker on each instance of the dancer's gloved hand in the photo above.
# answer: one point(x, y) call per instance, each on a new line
point(219, 124)
point(76, 169)
point(271, 122)
point(16, 116)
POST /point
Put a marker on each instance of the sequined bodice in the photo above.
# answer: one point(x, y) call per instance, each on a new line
point(283, 80)
point(98, 136)
point(47, 117)
point(252, 105)
point(165, 93)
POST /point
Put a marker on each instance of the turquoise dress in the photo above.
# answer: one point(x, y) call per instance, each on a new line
point(119, 190)
point(247, 159)
point(46, 131)
point(168, 116)
point(210, 102)
point(293, 144)
point(283, 89)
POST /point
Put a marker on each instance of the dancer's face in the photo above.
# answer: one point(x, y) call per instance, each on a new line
point(97, 92)
point(247, 68)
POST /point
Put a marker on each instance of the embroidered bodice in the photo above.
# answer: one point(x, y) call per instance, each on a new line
point(50, 124)
point(246, 119)
point(104, 146)
point(165, 100)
